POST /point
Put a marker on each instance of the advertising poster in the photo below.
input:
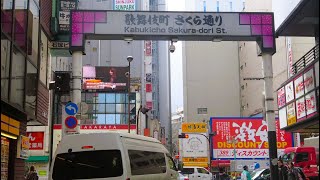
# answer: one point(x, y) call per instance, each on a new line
point(308, 80)
point(148, 48)
point(105, 78)
point(301, 108)
point(291, 114)
point(299, 87)
point(195, 146)
point(36, 140)
point(289, 92)
point(248, 136)
point(281, 97)
point(283, 117)
point(124, 5)
point(311, 105)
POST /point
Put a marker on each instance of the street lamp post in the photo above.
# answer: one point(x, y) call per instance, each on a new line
point(234, 141)
point(129, 59)
point(209, 142)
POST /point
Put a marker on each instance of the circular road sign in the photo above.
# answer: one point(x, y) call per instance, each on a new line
point(71, 122)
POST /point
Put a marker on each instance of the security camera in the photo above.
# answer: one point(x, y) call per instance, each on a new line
point(172, 48)
point(128, 39)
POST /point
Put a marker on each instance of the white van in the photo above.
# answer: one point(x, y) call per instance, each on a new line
point(196, 173)
point(112, 155)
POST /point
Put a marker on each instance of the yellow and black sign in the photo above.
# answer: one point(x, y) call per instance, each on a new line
point(194, 127)
point(10, 125)
point(197, 160)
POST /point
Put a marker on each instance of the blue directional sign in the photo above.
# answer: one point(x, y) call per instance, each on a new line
point(71, 108)
point(71, 122)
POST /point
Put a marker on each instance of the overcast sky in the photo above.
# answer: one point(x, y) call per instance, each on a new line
point(176, 64)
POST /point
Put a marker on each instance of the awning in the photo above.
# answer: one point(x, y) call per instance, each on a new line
point(302, 21)
point(38, 159)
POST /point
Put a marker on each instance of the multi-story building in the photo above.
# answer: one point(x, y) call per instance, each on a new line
point(24, 80)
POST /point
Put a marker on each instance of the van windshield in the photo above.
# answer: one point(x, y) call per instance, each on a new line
point(87, 165)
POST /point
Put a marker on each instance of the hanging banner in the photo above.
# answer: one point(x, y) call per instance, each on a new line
point(289, 57)
point(64, 14)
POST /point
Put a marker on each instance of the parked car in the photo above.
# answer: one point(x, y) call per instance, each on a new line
point(182, 177)
point(196, 173)
point(262, 174)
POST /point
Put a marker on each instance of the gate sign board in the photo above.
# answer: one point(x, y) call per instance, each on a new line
point(195, 26)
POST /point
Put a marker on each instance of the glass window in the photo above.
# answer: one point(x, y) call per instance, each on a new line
point(110, 108)
point(33, 31)
point(110, 118)
point(99, 108)
point(120, 108)
point(123, 119)
point(5, 67)
point(171, 163)
point(146, 162)
point(301, 157)
point(20, 24)
point(121, 98)
point(31, 89)
point(187, 171)
point(100, 119)
point(6, 17)
point(110, 98)
point(77, 165)
point(118, 118)
point(101, 98)
point(17, 78)
point(203, 171)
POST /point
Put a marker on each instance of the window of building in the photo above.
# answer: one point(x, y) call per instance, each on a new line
point(5, 67)
point(20, 31)
point(6, 17)
point(33, 31)
point(17, 78)
point(31, 89)
point(109, 108)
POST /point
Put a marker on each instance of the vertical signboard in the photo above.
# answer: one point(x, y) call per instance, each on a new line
point(298, 87)
point(23, 147)
point(291, 114)
point(289, 92)
point(289, 57)
point(64, 14)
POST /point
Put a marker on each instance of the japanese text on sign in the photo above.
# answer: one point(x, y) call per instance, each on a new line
point(194, 127)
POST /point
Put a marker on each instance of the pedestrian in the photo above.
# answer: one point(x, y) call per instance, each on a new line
point(294, 173)
point(245, 175)
point(32, 175)
point(283, 170)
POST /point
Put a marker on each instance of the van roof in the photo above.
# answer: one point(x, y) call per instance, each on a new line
point(121, 134)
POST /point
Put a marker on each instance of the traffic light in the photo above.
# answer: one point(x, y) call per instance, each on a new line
point(183, 135)
point(62, 82)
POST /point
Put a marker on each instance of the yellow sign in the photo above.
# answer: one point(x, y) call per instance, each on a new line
point(198, 160)
point(195, 164)
point(194, 128)
point(25, 142)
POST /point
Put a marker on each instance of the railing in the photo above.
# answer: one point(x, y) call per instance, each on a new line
point(309, 57)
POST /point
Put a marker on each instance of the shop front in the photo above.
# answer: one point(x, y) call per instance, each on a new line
point(14, 145)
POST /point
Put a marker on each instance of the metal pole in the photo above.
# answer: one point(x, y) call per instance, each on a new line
point(129, 124)
point(270, 116)
point(170, 120)
point(76, 79)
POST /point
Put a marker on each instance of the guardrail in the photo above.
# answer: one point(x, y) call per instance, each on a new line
point(305, 60)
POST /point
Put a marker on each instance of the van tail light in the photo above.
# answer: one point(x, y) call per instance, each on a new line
point(87, 147)
point(186, 178)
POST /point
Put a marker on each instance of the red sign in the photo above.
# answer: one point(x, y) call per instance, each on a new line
point(101, 126)
point(148, 87)
point(36, 140)
point(148, 48)
point(247, 136)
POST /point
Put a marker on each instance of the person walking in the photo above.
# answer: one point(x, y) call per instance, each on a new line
point(245, 175)
point(294, 173)
point(32, 175)
point(283, 170)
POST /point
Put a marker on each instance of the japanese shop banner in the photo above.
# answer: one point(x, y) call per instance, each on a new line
point(148, 48)
point(64, 14)
point(281, 97)
point(194, 127)
point(250, 137)
point(289, 92)
point(299, 87)
point(308, 80)
point(283, 117)
point(36, 140)
point(195, 146)
point(124, 5)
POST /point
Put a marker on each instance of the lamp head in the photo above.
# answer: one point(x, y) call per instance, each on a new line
point(129, 58)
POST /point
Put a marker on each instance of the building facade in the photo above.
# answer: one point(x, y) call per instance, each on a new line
point(24, 80)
